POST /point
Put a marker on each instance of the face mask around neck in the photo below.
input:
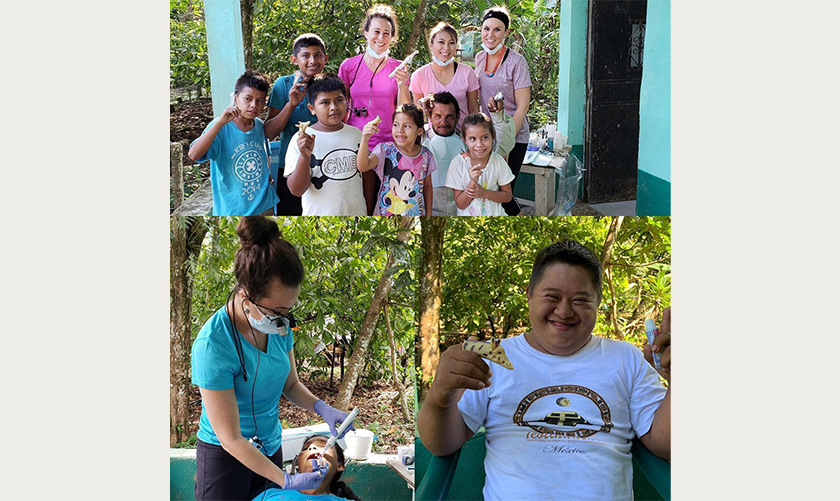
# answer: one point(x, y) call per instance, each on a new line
point(444, 63)
point(372, 53)
point(492, 51)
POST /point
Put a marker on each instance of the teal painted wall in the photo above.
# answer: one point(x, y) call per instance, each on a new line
point(571, 106)
point(653, 192)
point(225, 52)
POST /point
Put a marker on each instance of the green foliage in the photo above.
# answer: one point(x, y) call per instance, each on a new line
point(539, 42)
point(188, 63)
point(487, 264)
point(338, 286)
point(189, 443)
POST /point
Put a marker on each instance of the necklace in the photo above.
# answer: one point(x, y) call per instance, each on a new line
point(498, 62)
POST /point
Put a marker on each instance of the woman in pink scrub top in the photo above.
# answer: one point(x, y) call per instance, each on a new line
point(444, 74)
point(500, 69)
point(372, 91)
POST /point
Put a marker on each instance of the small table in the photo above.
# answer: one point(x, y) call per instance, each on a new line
point(544, 197)
point(405, 473)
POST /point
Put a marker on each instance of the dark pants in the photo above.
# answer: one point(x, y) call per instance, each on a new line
point(515, 158)
point(289, 205)
point(220, 476)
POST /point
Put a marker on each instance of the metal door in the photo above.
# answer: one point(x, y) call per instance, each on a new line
point(614, 78)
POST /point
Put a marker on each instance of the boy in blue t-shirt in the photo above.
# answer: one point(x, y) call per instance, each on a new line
point(287, 102)
point(236, 145)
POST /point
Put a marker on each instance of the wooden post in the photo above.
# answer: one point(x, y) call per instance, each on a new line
point(176, 166)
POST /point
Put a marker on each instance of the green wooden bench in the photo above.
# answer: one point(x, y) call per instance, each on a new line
point(435, 475)
point(371, 480)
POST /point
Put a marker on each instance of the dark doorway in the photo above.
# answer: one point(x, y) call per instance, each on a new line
point(614, 78)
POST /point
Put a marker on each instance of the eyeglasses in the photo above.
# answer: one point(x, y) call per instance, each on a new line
point(289, 315)
point(360, 112)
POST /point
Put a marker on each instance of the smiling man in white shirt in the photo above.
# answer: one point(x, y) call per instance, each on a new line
point(560, 424)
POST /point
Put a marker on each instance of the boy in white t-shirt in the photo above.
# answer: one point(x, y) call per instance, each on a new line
point(572, 403)
point(323, 172)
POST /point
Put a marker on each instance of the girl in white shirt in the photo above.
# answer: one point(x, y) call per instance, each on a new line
point(480, 178)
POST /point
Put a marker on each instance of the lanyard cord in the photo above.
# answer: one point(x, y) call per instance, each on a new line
point(256, 371)
point(236, 341)
point(370, 92)
point(241, 353)
point(498, 63)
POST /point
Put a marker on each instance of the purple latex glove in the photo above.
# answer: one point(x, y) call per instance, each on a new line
point(333, 417)
point(306, 481)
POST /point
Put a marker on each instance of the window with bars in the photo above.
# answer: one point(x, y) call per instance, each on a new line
point(637, 44)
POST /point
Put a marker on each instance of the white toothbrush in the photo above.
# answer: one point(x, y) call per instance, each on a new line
point(344, 425)
point(404, 63)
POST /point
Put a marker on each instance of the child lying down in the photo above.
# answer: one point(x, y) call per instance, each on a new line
point(331, 489)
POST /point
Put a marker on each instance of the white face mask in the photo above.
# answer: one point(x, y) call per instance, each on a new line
point(372, 53)
point(492, 51)
point(444, 63)
point(270, 326)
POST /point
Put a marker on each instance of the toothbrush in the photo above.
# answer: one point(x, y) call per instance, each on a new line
point(404, 63)
point(346, 423)
point(652, 331)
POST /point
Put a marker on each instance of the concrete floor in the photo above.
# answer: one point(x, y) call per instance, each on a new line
point(627, 208)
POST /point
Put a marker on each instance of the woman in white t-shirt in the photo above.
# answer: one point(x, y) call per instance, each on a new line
point(480, 178)
point(444, 74)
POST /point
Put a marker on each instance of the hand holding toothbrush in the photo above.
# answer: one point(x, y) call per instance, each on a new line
point(333, 417)
point(661, 345)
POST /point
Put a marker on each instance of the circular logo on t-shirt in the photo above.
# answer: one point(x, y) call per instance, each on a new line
point(249, 166)
point(339, 164)
point(568, 418)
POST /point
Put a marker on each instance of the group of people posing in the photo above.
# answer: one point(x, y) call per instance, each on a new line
point(336, 155)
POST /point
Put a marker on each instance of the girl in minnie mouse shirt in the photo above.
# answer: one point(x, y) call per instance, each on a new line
point(403, 166)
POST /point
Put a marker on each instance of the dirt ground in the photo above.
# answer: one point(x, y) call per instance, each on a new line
point(186, 123)
point(379, 411)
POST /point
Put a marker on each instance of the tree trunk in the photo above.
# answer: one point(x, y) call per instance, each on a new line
point(614, 303)
point(398, 383)
point(606, 270)
point(179, 335)
point(185, 240)
point(360, 346)
point(615, 224)
point(429, 298)
point(417, 29)
point(247, 10)
point(176, 167)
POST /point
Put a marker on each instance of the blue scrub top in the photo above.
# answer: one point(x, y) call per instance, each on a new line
point(284, 495)
point(215, 366)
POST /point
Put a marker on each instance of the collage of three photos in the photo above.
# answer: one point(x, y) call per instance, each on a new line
point(321, 350)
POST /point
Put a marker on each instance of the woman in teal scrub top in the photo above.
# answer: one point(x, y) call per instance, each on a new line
point(243, 360)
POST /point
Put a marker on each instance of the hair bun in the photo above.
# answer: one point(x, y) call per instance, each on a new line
point(256, 231)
